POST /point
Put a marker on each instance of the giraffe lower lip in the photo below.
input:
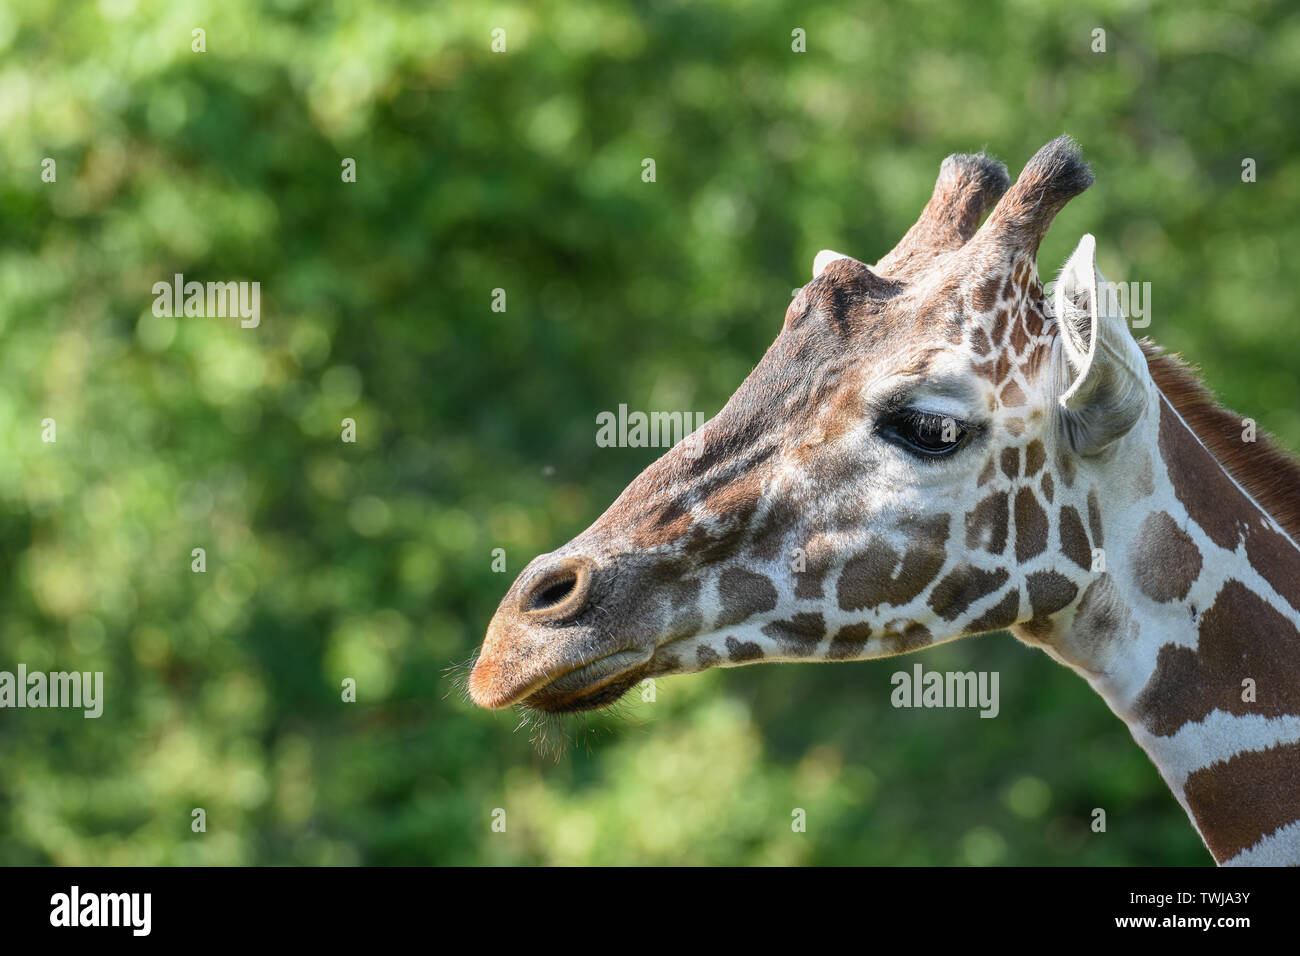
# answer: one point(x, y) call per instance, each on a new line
point(574, 687)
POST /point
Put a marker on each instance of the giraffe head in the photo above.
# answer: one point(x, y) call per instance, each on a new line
point(880, 482)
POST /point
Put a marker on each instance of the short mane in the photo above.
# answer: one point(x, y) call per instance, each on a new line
point(1269, 474)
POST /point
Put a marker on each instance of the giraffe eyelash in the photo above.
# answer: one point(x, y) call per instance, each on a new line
point(924, 434)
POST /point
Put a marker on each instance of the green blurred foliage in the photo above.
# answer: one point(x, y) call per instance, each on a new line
point(522, 171)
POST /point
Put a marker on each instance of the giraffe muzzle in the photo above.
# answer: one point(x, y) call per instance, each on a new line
point(547, 647)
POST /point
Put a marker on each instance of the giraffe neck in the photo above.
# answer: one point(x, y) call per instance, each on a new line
point(1192, 637)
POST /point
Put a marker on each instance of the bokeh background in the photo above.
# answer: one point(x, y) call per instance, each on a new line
point(522, 170)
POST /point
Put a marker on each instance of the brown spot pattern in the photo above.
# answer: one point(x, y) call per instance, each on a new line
point(1165, 558)
point(1074, 539)
point(1243, 799)
point(963, 586)
point(684, 596)
point(1240, 636)
point(1065, 467)
point(800, 634)
point(1199, 483)
point(1003, 614)
point(817, 561)
point(986, 295)
point(1094, 517)
point(1011, 462)
point(1031, 526)
point(772, 531)
point(737, 499)
point(1035, 456)
point(670, 522)
point(743, 651)
point(1033, 321)
point(848, 642)
point(869, 579)
point(1049, 591)
point(1000, 326)
point(989, 521)
point(1274, 557)
point(743, 594)
point(1034, 364)
point(912, 638)
point(1019, 337)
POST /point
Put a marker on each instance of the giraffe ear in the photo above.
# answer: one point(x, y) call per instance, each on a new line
point(1102, 364)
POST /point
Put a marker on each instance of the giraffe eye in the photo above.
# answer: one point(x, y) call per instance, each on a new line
point(924, 433)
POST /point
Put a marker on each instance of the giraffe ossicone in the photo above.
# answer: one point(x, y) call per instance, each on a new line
point(933, 448)
point(825, 258)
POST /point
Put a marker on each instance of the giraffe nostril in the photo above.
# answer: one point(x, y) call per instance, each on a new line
point(560, 592)
point(554, 593)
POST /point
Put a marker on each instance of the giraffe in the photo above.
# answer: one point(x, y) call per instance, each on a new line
point(935, 447)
